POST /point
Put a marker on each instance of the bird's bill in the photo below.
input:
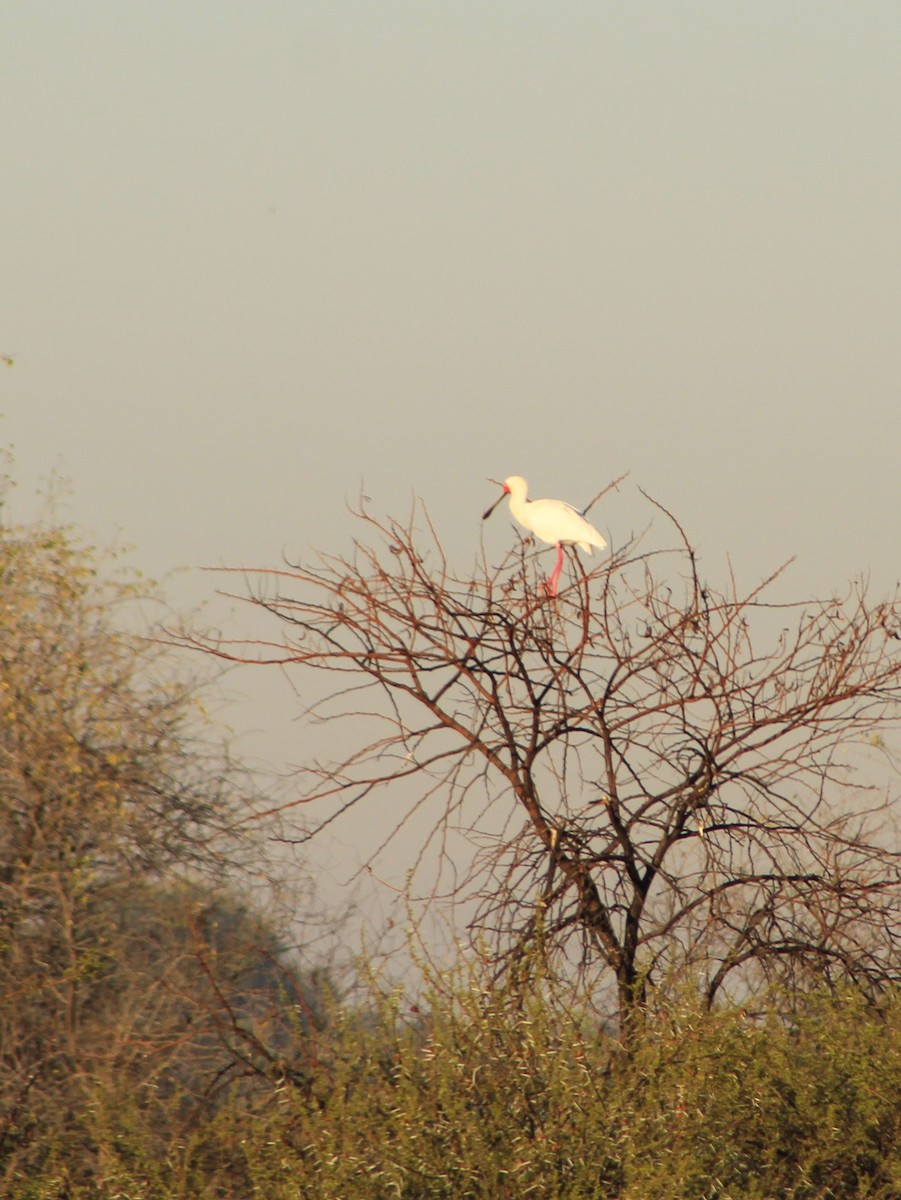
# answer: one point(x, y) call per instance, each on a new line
point(488, 511)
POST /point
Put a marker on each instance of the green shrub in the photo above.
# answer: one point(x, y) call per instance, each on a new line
point(491, 1094)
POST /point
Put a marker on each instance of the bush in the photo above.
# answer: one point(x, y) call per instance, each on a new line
point(493, 1095)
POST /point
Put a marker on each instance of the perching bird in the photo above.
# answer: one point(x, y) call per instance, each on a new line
point(553, 521)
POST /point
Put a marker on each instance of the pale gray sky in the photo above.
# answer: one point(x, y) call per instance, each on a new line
point(254, 253)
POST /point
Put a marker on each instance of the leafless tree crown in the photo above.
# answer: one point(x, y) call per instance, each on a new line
point(662, 778)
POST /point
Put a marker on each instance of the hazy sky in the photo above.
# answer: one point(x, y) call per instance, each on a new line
point(255, 253)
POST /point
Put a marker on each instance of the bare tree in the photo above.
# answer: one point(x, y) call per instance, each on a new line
point(664, 779)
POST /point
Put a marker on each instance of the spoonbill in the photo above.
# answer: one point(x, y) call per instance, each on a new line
point(553, 521)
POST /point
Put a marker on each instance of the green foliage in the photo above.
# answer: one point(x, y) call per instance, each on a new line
point(500, 1099)
point(727, 1106)
point(495, 1095)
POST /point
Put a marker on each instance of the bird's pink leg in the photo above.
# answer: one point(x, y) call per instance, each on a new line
point(555, 574)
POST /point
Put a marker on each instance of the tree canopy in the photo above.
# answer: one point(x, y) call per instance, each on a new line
point(131, 968)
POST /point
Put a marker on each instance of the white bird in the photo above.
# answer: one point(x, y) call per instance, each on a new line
point(553, 521)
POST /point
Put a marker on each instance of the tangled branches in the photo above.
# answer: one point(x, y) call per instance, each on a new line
point(666, 780)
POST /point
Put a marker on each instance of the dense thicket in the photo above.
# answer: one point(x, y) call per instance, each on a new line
point(497, 1095)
